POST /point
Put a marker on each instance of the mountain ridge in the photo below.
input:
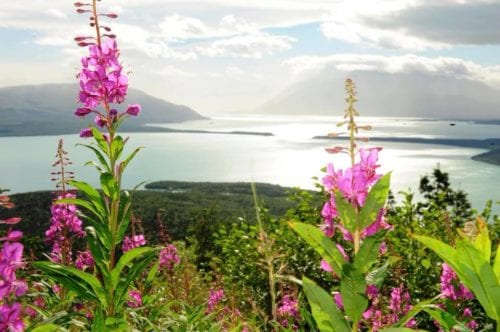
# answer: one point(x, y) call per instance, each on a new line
point(420, 94)
point(47, 109)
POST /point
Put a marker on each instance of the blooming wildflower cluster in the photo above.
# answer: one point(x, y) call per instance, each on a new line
point(380, 315)
point(103, 82)
point(288, 311)
point(134, 241)
point(135, 299)
point(354, 183)
point(169, 257)
point(64, 225)
point(11, 259)
point(215, 296)
point(457, 294)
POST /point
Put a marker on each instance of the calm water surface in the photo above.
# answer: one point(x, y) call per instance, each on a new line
point(289, 158)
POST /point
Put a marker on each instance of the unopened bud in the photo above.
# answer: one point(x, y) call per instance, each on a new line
point(82, 38)
point(81, 11)
point(112, 15)
point(112, 36)
point(83, 44)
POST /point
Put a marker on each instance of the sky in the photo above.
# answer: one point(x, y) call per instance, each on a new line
point(220, 56)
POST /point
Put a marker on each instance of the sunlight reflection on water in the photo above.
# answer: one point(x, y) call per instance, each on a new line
point(290, 158)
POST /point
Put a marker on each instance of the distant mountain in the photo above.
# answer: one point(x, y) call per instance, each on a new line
point(48, 110)
point(414, 94)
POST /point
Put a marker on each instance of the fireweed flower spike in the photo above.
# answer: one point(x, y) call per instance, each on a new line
point(355, 207)
point(103, 87)
point(11, 260)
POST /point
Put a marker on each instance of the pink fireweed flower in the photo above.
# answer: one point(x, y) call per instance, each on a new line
point(288, 311)
point(84, 260)
point(135, 299)
point(451, 287)
point(11, 259)
point(169, 257)
point(10, 318)
point(101, 78)
point(215, 296)
point(354, 183)
point(64, 224)
point(133, 242)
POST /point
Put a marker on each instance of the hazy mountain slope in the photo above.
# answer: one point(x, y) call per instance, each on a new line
point(48, 109)
point(389, 94)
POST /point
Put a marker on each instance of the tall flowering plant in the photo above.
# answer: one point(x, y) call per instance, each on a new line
point(355, 207)
point(106, 212)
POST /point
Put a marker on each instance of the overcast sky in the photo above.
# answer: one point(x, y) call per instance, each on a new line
point(232, 55)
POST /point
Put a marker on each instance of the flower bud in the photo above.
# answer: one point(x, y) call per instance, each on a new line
point(133, 109)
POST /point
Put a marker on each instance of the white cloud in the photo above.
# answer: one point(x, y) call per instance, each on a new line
point(56, 13)
point(445, 66)
point(177, 27)
point(253, 46)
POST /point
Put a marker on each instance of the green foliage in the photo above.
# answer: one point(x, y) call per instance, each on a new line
point(474, 270)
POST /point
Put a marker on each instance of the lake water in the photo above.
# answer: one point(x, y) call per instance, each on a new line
point(290, 158)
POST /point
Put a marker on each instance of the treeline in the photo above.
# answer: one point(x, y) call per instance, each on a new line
point(185, 209)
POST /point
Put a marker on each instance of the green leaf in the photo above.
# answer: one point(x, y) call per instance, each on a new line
point(117, 147)
point(352, 289)
point(425, 263)
point(85, 284)
point(377, 276)
point(46, 328)
point(473, 271)
point(347, 213)
point(496, 264)
point(133, 272)
point(82, 203)
point(93, 195)
point(368, 252)
point(321, 243)
point(101, 141)
point(131, 156)
point(446, 320)
point(109, 186)
point(375, 201)
point(325, 312)
point(482, 241)
point(415, 310)
point(484, 282)
point(125, 260)
point(99, 156)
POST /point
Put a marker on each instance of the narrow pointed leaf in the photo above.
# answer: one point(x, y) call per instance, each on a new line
point(125, 260)
point(352, 289)
point(347, 213)
point(496, 264)
point(321, 243)
point(327, 315)
point(482, 241)
point(369, 252)
point(375, 201)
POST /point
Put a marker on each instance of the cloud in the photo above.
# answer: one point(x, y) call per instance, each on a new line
point(472, 23)
point(415, 24)
point(444, 66)
point(56, 13)
point(253, 46)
